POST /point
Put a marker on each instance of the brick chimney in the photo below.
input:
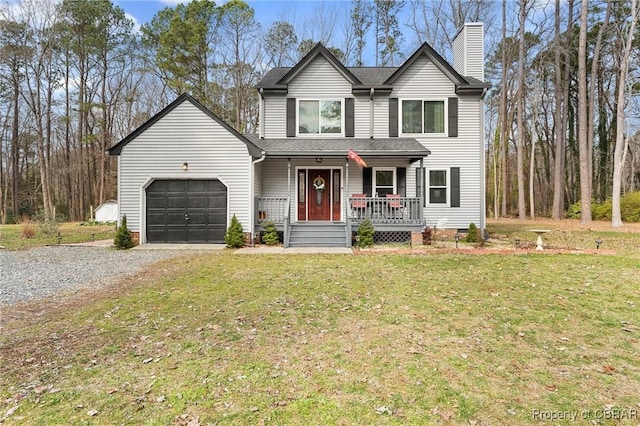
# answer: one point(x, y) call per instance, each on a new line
point(468, 50)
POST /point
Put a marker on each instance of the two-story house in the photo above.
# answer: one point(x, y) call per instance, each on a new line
point(400, 146)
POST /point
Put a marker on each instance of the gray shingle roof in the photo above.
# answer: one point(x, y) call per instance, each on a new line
point(319, 147)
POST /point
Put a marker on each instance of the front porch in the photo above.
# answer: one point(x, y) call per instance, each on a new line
point(387, 214)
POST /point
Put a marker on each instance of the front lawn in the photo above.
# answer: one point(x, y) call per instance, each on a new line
point(12, 236)
point(329, 339)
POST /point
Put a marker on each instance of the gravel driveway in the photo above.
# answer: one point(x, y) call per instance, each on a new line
point(33, 274)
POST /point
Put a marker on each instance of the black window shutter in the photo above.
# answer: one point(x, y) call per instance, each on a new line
point(349, 114)
point(367, 181)
point(401, 176)
point(453, 117)
point(393, 117)
point(291, 117)
point(455, 187)
point(421, 184)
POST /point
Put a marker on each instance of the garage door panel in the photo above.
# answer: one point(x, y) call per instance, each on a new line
point(179, 186)
point(197, 202)
point(156, 202)
point(204, 202)
point(198, 186)
point(175, 201)
point(217, 201)
point(175, 218)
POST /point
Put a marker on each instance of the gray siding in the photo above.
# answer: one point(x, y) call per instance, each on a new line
point(424, 81)
point(319, 80)
point(275, 116)
point(185, 134)
point(468, 50)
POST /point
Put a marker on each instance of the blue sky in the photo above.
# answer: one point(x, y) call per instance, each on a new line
point(267, 11)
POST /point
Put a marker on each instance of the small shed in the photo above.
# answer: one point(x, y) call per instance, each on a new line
point(106, 212)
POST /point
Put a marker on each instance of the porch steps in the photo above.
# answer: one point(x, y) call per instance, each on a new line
point(318, 235)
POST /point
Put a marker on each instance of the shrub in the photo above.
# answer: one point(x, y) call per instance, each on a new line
point(472, 234)
point(630, 207)
point(270, 235)
point(27, 227)
point(365, 233)
point(601, 211)
point(234, 237)
point(123, 239)
point(49, 226)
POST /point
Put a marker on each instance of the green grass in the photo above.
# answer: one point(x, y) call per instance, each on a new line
point(324, 339)
point(11, 236)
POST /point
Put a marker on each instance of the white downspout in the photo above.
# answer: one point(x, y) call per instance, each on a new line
point(252, 201)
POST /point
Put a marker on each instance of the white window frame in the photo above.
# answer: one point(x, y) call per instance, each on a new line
point(447, 187)
point(374, 184)
point(320, 134)
point(423, 100)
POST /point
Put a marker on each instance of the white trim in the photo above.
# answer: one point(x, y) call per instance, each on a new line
point(447, 186)
point(320, 134)
point(143, 198)
point(330, 185)
point(423, 100)
point(374, 184)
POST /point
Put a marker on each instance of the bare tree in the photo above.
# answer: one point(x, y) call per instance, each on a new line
point(583, 127)
point(523, 12)
point(618, 161)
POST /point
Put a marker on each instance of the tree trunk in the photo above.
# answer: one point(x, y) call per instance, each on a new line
point(583, 127)
point(616, 214)
point(15, 147)
point(504, 143)
point(557, 211)
point(522, 209)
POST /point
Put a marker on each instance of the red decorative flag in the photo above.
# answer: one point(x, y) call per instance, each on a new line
point(355, 157)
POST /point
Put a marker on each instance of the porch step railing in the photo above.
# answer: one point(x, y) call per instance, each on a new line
point(272, 209)
point(383, 210)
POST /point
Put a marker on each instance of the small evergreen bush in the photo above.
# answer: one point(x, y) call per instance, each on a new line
point(365, 234)
point(234, 237)
point(270, 235)
point(123, 239)
point(472, 234)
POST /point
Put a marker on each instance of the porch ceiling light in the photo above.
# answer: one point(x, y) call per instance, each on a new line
point(185, 166)
point(318, 160)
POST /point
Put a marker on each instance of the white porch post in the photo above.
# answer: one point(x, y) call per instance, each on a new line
point(346, 189)
point(289, 177)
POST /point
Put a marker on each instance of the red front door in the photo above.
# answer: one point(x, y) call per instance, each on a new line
point(319, 194)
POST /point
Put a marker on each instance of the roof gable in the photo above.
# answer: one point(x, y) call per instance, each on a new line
point(434, 57)
point(319, 50)
point(117, 148)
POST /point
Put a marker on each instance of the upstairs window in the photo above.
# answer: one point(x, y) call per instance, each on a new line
point(420, 116)
point(320, 117)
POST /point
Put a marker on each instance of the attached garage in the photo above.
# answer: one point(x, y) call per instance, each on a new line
point(186, 211)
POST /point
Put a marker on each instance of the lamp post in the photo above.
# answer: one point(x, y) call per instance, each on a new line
point(457, 238)
point(598, 243)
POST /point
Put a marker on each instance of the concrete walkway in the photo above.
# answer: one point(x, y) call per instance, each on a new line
point(294, 250)
point(247, 250)
point(180, 247)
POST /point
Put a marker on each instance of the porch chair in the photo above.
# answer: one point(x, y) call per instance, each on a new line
point(359, 205)
point(395, 206)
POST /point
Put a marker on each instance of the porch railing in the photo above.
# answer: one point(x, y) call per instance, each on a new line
point(272, 209)
point(383, 210)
